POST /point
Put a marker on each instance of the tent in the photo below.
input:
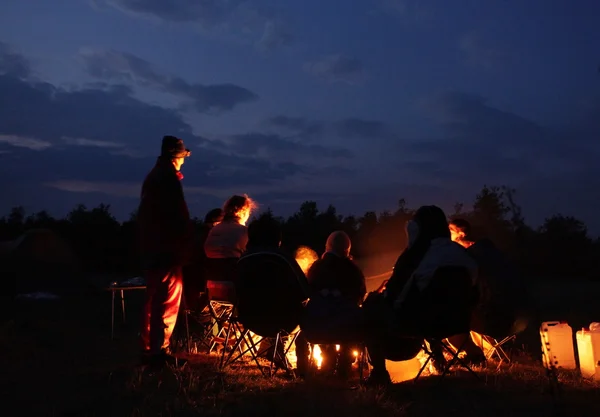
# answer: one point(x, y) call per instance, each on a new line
point(38, 261)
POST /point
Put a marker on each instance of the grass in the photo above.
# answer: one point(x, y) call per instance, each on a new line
point(58, 360)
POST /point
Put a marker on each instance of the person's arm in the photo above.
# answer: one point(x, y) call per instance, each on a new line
point(406, 264)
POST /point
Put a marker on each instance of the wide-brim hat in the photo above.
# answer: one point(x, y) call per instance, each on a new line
point(174, 147)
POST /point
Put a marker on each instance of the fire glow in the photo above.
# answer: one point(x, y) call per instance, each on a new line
point(317, 355)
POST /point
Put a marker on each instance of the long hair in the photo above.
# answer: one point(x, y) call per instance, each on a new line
point(236, 204)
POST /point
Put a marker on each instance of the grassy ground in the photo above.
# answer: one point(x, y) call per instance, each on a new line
point(58, 360)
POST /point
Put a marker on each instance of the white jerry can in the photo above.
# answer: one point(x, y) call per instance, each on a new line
point(557, 345)
point(588, 348)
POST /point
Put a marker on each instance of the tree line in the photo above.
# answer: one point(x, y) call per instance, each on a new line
point(560, 248)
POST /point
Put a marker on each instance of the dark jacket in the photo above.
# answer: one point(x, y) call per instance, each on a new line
point(165, 229)
point(333, 272)
point(502, 288)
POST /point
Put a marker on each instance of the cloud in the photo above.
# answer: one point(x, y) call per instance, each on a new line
point(25, 142)
point(92, 142)
point(243, 20)
point(479, 54)
point(274, 146)
point(118, 66)
point(295, 126)
point(12, 63)
point(480, 143)
point(361, 128)
point(99, 141)
point(337, 68)
point(419, 12)
point(276, 35)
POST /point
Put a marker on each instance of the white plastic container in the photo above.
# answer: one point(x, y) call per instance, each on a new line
point(588, 348)
point(557, 345)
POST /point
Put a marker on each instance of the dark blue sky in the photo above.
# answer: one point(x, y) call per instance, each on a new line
point(356, 104)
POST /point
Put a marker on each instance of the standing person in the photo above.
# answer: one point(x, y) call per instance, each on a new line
point(165, 232)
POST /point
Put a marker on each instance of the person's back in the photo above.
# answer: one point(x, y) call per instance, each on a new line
point(163, 216)
point(228, 239)
point(337, 273)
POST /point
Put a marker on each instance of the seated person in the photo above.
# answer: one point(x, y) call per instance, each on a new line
point(194, 277)
point(227, 241)
point(337, 287)
point(504, 297)
point(264, 243)
point(396, 309)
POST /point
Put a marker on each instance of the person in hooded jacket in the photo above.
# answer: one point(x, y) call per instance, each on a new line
point(337, 288)
point(395, 306)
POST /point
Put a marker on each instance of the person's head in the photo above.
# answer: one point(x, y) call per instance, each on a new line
point(305, 257)
point(339, 243)
point(460, 232)
point(264, 233)
point(173, 148)
point(238, 208)
point(428, 222)
point(213, 217)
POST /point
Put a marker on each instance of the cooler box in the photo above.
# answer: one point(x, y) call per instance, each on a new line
point(557, 345)
point(588, 348)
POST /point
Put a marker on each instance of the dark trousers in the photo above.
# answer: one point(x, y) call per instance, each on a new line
point(163, 297)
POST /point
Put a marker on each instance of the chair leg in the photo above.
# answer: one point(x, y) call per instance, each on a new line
point(273, 358)
point(225, 346)
point(457, 359)
point(428, 351)
point(187, 332)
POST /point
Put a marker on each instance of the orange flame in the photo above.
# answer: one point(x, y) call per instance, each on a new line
point(317, 355)
point(305, 257)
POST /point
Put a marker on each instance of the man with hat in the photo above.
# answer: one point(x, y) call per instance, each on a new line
point(165, 232)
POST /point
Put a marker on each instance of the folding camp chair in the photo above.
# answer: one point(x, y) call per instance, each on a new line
point(220, 310)
point(445, 310)
point(498, 339)
point(269, 306)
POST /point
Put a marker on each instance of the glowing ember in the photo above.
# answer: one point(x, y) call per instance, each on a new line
point(305, 257)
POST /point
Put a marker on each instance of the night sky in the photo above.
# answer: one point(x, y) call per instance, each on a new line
point(354, 103)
